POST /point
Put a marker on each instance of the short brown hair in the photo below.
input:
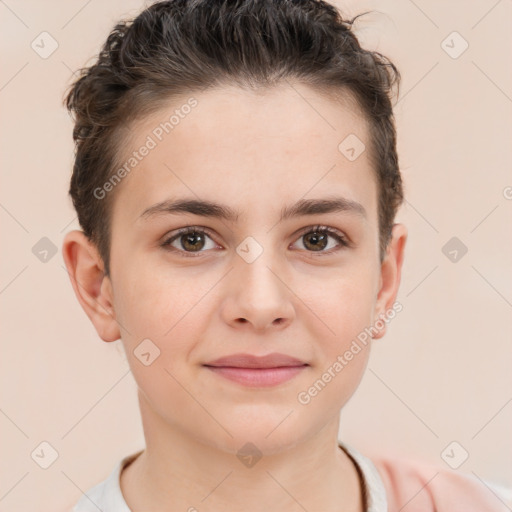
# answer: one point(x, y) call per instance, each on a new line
point(180, 46)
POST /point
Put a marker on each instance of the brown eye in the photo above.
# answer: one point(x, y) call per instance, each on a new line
point(189, 240)
point(192, 241)
point(317, 240)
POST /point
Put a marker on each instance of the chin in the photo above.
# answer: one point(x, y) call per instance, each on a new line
point(255, 444)
point(264, 434)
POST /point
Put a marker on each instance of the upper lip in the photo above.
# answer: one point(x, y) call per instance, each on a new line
point(274, 360)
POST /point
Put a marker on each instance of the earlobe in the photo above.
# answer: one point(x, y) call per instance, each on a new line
point(390, 275)
point(92, 289)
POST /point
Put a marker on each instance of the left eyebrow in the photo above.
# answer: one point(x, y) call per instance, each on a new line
point(318, 206)
point(212, 209)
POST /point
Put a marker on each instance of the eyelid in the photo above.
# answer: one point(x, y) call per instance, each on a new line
point(322, 227)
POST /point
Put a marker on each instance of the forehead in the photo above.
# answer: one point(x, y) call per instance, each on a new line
point(283, 142)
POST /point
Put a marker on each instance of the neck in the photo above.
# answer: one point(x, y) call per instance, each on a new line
point(176, 472)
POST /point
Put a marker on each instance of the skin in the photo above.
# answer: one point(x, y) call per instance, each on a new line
point(241, 149)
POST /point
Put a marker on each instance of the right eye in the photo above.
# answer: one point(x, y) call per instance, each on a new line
point(189, 240)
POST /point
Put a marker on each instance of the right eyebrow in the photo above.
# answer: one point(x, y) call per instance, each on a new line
point(192, 206)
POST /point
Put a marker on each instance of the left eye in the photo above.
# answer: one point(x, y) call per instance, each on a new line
point(317, 239)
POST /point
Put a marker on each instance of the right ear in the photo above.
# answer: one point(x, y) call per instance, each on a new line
point(92, 288)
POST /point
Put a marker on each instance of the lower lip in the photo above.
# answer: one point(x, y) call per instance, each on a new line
point(258, 377)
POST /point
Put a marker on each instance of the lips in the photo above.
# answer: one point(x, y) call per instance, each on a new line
point(273, 360)
point(257, 371)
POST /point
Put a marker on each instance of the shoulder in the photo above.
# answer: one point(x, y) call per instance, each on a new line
point(106, 495)
point(93, 499)
point(425, 487)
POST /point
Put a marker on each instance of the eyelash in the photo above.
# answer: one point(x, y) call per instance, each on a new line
point(341, 239)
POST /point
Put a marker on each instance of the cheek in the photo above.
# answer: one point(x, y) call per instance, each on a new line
point(155, 303)
point(343, 305)
point(343, 345)
point(163, 324)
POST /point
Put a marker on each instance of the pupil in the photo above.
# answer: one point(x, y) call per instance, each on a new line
point(189, 239)
point(315, 238)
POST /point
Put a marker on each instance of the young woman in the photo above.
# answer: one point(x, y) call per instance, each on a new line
point(236, 179)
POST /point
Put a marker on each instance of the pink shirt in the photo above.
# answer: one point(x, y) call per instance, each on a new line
point(416, 487)
point(389, 485)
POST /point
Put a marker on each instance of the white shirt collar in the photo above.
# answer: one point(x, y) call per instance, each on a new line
point(107, 495)
point(374, 486)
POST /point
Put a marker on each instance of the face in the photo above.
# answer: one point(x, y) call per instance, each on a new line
point(274, 275)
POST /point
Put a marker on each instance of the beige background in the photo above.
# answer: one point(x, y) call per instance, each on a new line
point(441, 374)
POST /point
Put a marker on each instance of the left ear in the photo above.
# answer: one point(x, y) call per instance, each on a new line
point(390, 273)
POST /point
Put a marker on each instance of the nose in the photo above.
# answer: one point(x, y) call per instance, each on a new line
point(257, 296)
